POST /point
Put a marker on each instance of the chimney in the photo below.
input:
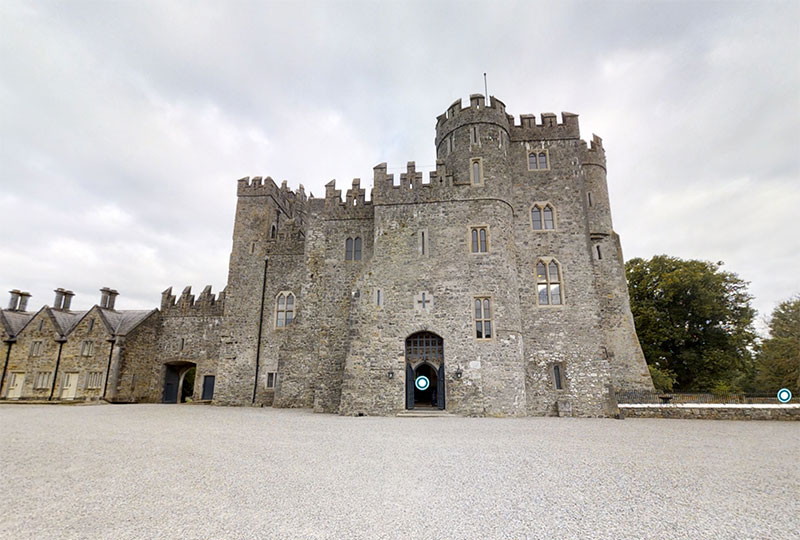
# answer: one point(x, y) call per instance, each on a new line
point(23, 300)
point(59, 301)
point(14, 301)
point(104, 297)
point(67, 299)
point(112, 298)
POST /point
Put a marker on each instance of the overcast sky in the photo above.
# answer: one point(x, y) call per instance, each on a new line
point(124, 125)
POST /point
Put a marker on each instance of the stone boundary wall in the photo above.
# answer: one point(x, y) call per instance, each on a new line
point(712, 411)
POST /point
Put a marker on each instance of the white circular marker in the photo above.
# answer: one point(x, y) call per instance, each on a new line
point(784, 395)
point(422, 383)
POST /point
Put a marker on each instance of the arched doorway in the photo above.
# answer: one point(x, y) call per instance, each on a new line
point(425, 386)
point(178, 381)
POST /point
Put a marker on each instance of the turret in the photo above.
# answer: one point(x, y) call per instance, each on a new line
point(594, 169)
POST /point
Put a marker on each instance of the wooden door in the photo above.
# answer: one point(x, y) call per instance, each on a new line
point(208, 387)
point(70, 387)
point(440, 387)
point(15, 382)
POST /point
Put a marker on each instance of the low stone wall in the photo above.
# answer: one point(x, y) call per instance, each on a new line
point(712, 411)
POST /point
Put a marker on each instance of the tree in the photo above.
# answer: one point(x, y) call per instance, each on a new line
point(694, 322)
point(778, 360)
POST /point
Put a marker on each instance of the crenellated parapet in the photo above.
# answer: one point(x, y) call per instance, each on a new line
point(549, 128)
point(354, 206)
point(206, 305)
point(595, 154)
point(413, 186)
point(478, 112)
point(266, 187)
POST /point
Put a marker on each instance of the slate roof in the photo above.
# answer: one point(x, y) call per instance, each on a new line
point(67, 320)
point(15, 320)
point(122, 322)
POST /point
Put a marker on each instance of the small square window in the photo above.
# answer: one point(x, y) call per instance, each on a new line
point(271, 378)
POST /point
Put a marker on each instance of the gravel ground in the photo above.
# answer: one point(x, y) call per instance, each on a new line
point(183, 471)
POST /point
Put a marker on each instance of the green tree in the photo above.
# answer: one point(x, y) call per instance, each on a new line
point(694, 322)
point(778, 360)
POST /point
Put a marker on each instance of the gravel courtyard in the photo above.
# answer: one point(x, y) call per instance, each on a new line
point(186, 471)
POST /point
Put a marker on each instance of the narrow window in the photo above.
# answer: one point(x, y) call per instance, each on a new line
point(378, 297)
point(87, 348)
point(476, 172)
point(448, 146)
point(273, 231)
point(183, 343)
point(41, 325)
point(479, 240)
point(532, 163)
point(599, 254)
point(422, 243)
point(348, 249)
point(474, 135)
point(483, 318)
point(36, 348)
point(542, 160)
point(549, 223)
point(590, 198)
point(557, 377)
point(42, 380)
point(94, 379)
point(536, 218)
point(357, 249)
point(91, 325)
point(271, 380)
point(548, 283)
point(252, 248)
point(284, 311)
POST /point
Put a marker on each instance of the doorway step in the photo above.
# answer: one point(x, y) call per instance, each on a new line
point(425, 413)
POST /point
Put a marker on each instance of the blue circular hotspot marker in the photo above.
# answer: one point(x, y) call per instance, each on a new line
point(784, 395)
point(422, 383)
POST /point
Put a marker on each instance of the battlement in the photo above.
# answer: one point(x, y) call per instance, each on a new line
point(256, 187)
point(594, 154)
point(477, 102)
point(413, 186)
point(548, 129)
point(206, 305)
point(354, 206)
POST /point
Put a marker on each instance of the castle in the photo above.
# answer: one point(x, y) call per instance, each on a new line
point(495, 286)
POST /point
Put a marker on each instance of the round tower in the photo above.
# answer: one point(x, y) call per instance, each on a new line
point(474, 141)
point(597, 201)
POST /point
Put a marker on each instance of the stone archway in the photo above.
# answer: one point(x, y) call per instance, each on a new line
point(174, 378)
point(425, 384)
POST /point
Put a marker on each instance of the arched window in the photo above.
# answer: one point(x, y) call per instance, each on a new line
point(548, 283)
point(543, 217)
point(348, 249)
point(352, 249)
point(273, 232)
point(537, 161)
point(284, 310)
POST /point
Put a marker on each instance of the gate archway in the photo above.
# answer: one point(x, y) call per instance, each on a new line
point(175, 391)
point(425, 385)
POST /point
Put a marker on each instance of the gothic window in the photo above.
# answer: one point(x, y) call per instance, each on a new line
point(36, 348)
point(476, 171)
point(352, 249)
point(284, 311)
point(273, 231)
point(483, 318)
point(537, 161)
point(548, 283)
point(479, 237)
point(543, 217)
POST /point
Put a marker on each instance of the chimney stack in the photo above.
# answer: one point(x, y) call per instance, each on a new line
point(13, 303)
point(112, 298)
point(23, 300)
point(104, 297)
point(59, 301)
point(67, 299)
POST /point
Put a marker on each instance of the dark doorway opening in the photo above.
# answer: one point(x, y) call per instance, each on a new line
point(208, 387)
point(425, 371)
point(179, 382)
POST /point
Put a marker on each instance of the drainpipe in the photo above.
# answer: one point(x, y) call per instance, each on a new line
point(55, 373)
point(5, 364)
point(260, 326)
point(108, 368)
